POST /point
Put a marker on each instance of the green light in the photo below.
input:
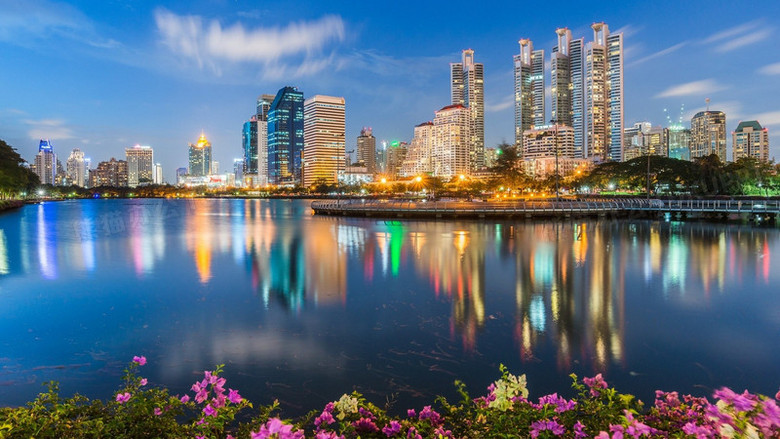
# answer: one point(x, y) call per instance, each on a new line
point(499, 152)
point(395, 143)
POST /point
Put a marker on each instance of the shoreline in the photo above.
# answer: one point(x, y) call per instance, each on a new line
point(8, 205)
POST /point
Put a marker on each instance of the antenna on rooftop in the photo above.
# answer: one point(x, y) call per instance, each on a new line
point(707, 100)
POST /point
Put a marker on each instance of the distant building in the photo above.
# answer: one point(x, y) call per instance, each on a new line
point(285, 137)
point(450, 150)
point(491, 157)
point(708, 134)
point(77, 168)
point(529, 88)
point(200, 157)
point(750, 140)
point(214, 167)
point(366, 150)
point(678, 142)
point(250, 146)
point(396, 153)
point(544, 141)
point(323, 139)
point(604, 95)
point(111, 173)
point(180, 174)
point(643, 139)
point(157, 174)
point(468, 90)
point(238, 171)
point(418, 157)
point(46, 162)
point(354, 175)
point(543, 167)
point(140, 163)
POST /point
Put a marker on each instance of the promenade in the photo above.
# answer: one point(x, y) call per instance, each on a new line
point(762, 210)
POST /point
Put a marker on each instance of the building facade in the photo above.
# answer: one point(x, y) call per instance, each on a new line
point(77, 168)
point(157, 174)
point(468, 90)
point(643, 139)
point(450, 155)
point(324, 128)
point(285, 137)
point(604, 95)
point(46, 162)
point(250, 146)
point(750, 140)
point(708, 134)
point(678, 142)
point(545, 141)
point(140, 164)
point(200, 157)
point(111, 173)
point(396, 154)
point(418, 157)
point(366, 150)
point(567, 66)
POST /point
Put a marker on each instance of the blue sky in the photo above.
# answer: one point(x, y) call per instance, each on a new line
point(104, 75)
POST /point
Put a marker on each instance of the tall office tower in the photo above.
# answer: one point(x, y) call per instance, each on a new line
point(538, 111)
point(324, 129)
point(468, 89)
point(396, 154)
point(140, 161)
point(366, 150)
point(561, 79)
point(200, 157)
point(708, 134)
point(381, 157)
point(264, 106)
point(678, 142)
point(238, 171)
point(604, 96)
point(76, 168)
point(285, 137)
point(450, 149)
point(46, 162)
point(250, 145)
point(111, 173)
point(418, 156)
point(750, 140)
point(524, 95)
point(157, 174)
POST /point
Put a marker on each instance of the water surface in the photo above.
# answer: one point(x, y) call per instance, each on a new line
point(304, 308)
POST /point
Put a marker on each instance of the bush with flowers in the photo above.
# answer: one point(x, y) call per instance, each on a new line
point(139, 410)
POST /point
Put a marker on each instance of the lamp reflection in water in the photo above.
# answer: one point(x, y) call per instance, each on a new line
point(47, 248)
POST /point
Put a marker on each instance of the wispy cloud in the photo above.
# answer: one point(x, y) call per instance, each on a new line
point(739, 36)
point(732, 109)
point(732, 31)
point(628, 30)
point(54, 129)
point(658, 54)
point(771, 69)
point(209, 43)
point(502, 105)
point(692, 88)
point(744, 40)
point(770, 118)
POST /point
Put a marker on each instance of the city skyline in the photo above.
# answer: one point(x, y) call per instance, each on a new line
point(142, 82)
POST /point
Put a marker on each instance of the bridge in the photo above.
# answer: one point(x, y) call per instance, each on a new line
point(761, 210)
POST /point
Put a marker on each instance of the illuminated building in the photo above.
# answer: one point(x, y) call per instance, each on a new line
point(544, 141)
point(200, 157)
point(418, 158)
point(604, 95)
point(46, 162)
point(285, 137)
point(529, 89)
point(238, 171)
point(491, 157)
point(111, 173)
point(750, 140)
point(214, 167)
point(643, 139)
point(396, 153)
point(678, 142)
point(708, 134)
point(249, 141)
point(157, 174)
point(468, 90)
point(450, 150)
point(140, 161)
point(324, 140)
point(180, 174)
point(77, 168)
point(366, 150)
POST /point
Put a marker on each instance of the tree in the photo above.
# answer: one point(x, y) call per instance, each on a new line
point(15, 178)
point(508, 169)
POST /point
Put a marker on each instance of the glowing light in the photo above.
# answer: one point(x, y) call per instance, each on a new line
point(418, 179)
point(384, 180)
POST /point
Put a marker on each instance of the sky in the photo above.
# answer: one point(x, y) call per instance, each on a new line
point(105, 75)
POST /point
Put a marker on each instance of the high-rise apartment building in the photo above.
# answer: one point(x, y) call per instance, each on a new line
point(77, 168)
point(264, 106)
point(450, 149)
point(643, 139)
point(255, 143)
point(604, 95)
point(200, 157)
point(567, 66)
point(750, 140)
point(238, 171)
point(708, 134)
point(324, 129)
point(529, 89)
point(46, 162)
point(547, 141)
point(468, 90)
point(111, 173)
point(285, 137)
point(366, 150)
point(250, 146)
point(418, 156)
point(157, 174)
point(396, 154)
point(140, 162)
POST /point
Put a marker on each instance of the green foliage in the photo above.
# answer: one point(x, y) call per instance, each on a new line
point(15, 178)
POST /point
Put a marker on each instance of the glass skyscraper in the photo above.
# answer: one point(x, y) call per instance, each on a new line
point(468, 89)
point(250, 146)
point(285, 137)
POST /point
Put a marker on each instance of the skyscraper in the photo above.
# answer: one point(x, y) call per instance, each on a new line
point(259, 174)
point(323, 139)
point(708, 134)
point(604, 95)
point(46, 162)
point(678, 140)
point(157, 174)
point(567, 66)
point(140, 162)
point(200, 157)
point(285, 137)
point(418, 157)
point(250, 145)
point(468, 89)
point(366, 149)
point(524, 89)
point(76, 168)
point(450, 148)
point(111, 173)
point(750, 140)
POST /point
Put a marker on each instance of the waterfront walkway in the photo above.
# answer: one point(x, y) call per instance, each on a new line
point(636, 207)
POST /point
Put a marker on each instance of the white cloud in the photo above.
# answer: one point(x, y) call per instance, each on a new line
point(733, 31)
point(659, 54)
point(503, 104)
point(744, 40)
point(209, 43)
point(770, 118)
point(732, 109)
point(53, 129)
point(692, 88)
point(771, 69)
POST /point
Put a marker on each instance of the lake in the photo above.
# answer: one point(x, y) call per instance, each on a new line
point(305, 308)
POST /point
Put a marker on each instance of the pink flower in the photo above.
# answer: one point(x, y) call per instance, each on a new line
point(122, 397)
point(391, 429)
point(595, 383)
point(365, 425)
point(140, 360)
point(157, 411)
point(144, 382)
point(327, 435)
point(233, 396)
point(185, 399)
point(276, 426)
point(209, 411)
